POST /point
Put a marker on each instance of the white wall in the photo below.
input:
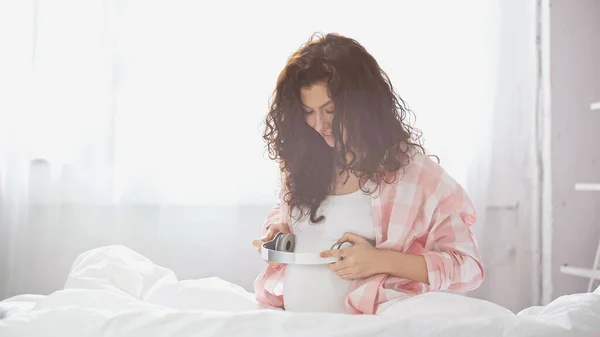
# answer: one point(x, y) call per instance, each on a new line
point(575, 143)
point(510, 255)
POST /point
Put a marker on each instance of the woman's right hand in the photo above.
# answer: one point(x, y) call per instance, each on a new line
point(269, 235)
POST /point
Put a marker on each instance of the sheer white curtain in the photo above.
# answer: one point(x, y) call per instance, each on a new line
point(139, 122)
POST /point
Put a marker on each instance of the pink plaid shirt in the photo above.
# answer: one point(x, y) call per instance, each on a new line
point(424, 212)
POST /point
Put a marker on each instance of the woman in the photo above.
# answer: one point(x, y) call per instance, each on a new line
point(352, 170)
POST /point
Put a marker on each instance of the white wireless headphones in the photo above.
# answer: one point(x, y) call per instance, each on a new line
point(281, 249)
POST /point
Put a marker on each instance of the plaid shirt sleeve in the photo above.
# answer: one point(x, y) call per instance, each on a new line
point(268, 285)
point(451, 253)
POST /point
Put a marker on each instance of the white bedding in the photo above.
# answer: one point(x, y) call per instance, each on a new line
point(113, 291)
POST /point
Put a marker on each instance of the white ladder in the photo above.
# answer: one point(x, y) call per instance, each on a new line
point(591, 273)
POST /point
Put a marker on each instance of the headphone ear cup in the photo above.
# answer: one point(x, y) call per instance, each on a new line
point(290, 243)
point(340, 245)
point(284, 242)
point(277, 236)
point(277, 240)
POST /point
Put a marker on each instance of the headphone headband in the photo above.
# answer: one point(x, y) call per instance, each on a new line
point(281, 250)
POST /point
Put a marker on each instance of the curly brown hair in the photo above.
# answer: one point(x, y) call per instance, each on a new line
point(379, 138)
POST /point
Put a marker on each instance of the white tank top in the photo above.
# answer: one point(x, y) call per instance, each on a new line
point(316, 288)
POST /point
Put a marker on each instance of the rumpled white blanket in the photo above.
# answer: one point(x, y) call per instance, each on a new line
point(114, 291)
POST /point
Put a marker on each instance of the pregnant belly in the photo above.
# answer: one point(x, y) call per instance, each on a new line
point(314, 289)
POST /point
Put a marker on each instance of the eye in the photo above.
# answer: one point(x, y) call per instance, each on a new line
point(308, 112)
point(331, 112)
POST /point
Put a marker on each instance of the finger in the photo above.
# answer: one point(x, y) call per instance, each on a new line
point(333, 253)
point(336, 266)
point(285, 228)
point(351, 237)
point(258, 249)
point(269, 234)
point(280, 227)
point(344, 273)
point(347, 276)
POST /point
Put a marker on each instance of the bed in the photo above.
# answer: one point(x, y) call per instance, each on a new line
point(114, 291)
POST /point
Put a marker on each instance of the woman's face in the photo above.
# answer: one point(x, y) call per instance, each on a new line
point(319, 110)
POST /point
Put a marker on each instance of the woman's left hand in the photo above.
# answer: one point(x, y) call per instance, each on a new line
point(358, 261)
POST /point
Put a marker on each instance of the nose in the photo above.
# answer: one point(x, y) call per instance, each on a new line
point(322, 123)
